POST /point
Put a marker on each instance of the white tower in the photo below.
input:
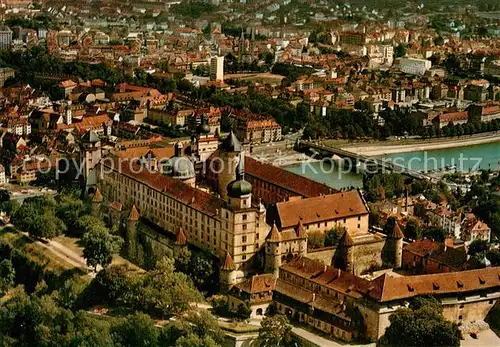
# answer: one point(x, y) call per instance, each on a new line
point(91, 151)
point(217, 68)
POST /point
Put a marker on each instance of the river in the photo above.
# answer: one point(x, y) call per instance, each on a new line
point(471, 158)
point(476, 157)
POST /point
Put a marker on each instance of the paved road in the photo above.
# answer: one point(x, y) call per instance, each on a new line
point(65, 253)
point(486, 338)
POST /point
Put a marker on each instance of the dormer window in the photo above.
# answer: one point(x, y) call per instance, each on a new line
point(481, 280)
point(460, 284)
point(435, 286)
point(410, 288)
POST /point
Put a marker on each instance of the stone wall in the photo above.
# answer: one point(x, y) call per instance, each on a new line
point(465, 312)
point(365, 255)
point(324, 255)
point(368, 255)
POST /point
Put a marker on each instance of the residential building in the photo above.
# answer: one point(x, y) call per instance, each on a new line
point(256, 291)
point(5, 74)
point(474, 229)
point(217, 68)
point(453, 118)
point(427, 256)
point(254, 128)
point(3, 179)
point(5, 37)
point(414, 66)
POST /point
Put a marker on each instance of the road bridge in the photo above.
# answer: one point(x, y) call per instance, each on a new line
point(370, 164)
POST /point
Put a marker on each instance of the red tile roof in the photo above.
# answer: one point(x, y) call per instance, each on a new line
point(455, 116)
point(285, 179)
point(274, 234)
point(192, 197)
point(134, 214)
point(258, 284)
point(97, 196)
point(336, 279)
point(388, 288)
point(228, 264)
point(115, 205)
point(396, 232)
point(320, 208)
point(180, 238)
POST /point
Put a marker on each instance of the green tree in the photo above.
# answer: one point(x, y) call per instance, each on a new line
point(37, 217)
point(477, 247)
point(244, 311)
point(183, 260)
point(439, 41)
point(69, 209)
point(4, 195)
point(7, 275)
point(111, 284)
point(332, 237)
point(197, 328)
point(374, 217)
point(400, 50)
point(100, 246)
point(136, 331)
point(275, 331)
point(419, 210)
point(421, 324)
point(435, 233)
point(412, 230)
point(315, 239)
point(90, 331)
point(164, 291)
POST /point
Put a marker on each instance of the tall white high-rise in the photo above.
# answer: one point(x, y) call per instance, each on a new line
point(217, 68)
point(5, 37)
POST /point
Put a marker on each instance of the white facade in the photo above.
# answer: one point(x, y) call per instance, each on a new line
point(217, 68)
point(5, 37)
point(414, 66)
point(3, 180)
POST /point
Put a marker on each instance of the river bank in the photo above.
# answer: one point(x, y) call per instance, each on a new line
point(379, 149)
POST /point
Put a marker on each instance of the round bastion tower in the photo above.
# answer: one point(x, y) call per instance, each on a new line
point(230, 150)
point(347, 245)
point(273, 251)
point(396, 246)
point(227, 273)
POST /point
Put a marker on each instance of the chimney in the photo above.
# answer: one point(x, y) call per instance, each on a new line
point(406, 200)
point(314, 297)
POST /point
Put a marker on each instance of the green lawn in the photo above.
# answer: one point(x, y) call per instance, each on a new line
point(34, 251)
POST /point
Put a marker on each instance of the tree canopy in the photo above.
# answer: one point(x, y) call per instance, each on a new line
point(37, 217)
point(275, 331)
point(100, 245)
point(423, 324)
